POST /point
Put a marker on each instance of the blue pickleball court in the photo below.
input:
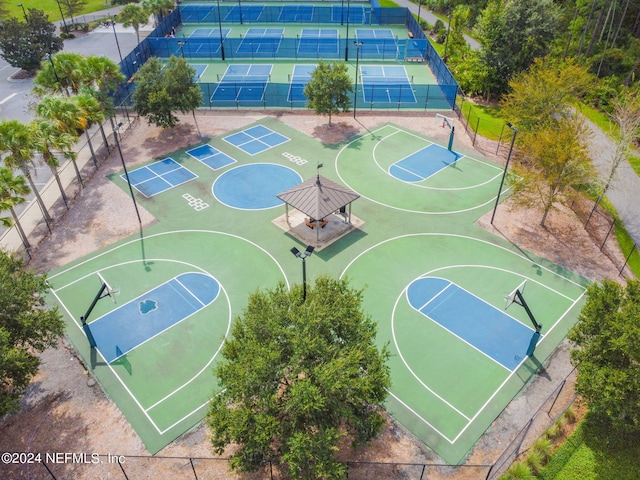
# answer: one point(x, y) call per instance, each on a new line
point(211, 157)
point(256, 139)
point(424, 163)
point(254, 186)
point(153, 312)
point(471, 319)
point(159, 176)
point(301, 76)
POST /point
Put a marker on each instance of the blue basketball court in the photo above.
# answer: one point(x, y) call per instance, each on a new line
point(299, 79)
point(481, 325)
point(211, 157)
point(256, 139)
point(158, 177)
point(123, 329)
point(424, 163)
point(254, 186)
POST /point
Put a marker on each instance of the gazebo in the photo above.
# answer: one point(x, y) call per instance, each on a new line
point(325, 205)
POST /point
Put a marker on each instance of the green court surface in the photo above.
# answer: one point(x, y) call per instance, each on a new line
point(446, 389)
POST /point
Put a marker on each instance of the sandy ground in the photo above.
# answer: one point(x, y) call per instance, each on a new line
point(65, 411)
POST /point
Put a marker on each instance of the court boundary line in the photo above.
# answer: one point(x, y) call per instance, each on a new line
point(247, 165)
point(132, 396)
point(516, 254)
point(377, 202)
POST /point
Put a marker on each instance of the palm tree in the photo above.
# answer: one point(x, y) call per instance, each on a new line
point(47, 138)
point(158, 8)
point(68, 117)
point(133, 15)
point(15, 139)
point(12, 192)
point(92, 112)
point(63, 72)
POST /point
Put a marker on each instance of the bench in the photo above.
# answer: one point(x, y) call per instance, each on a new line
point(312, 223)
point(414, 59)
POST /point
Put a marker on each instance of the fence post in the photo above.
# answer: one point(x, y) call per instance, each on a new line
point(606, 237)
point(556, 399)
point(48, 470)
point(475, 133)
point(627, 259)
point(123, 472)
point(424, 467)
point(195, 475)
point(489, 472)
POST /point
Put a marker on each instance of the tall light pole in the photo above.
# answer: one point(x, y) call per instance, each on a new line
point(181, 44)
point(221, 39)
point(346, 48)
point(303, 256)
point(419, 7)
point(24, 12)
point(126, 173)
point(66, 30)
point(355, 93)
point(506, 165)
point(53, 67)
point(113, 24)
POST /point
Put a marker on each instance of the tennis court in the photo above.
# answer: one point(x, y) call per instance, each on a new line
point(433, 281)
point(242, 82)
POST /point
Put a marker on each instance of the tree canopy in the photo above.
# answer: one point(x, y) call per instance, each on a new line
point(26, 327)
point(607, 357)
point(296, 377)
point(24, 44)
point(161, 91)
point(327, 89)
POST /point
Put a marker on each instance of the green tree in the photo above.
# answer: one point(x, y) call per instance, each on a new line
point(513, 33)
point(16, 141)
point(158, 8)
point(47, 139)
point(64, 73)
point(26, 327)
point(133, 15)
point(297, 377)
point(551, 161)
point(73, 7)
point(545, 93)
point(12, 192)
point(25, 44)
point(161, 91)
point(607, 354)
point(328, 88)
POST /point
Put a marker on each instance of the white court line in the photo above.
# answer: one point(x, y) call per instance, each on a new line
point(7, 98)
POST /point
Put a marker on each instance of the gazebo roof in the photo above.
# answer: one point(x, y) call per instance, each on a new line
point(318, 197)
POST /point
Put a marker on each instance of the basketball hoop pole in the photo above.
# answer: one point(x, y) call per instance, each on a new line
point(100, 295)
point(536, 335)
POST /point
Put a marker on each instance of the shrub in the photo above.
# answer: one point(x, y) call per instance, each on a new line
point(518, 471)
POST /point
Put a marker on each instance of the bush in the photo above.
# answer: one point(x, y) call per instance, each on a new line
point(518, 471)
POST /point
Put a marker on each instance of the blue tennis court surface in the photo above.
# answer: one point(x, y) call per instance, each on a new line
point(244, 13)
point(481, 325)
point(422, 164)
point(299, 79)
point(256, 139)
point(386, 84)
point(139, 320)
point(377, 42)
point(210, 32)
point(296, 13)
point(199, 68)
point(159, 176)
point(350, 13)
point(261, 40)
point(243, 82)
point(211, 157)
point(254, 186)
point(319, 40)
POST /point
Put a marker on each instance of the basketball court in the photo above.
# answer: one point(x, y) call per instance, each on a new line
point(433, 281)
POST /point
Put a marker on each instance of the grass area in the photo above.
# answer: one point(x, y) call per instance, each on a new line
point(388, 4)
point(50, 7)
point(485, 118)
point(593, 452)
